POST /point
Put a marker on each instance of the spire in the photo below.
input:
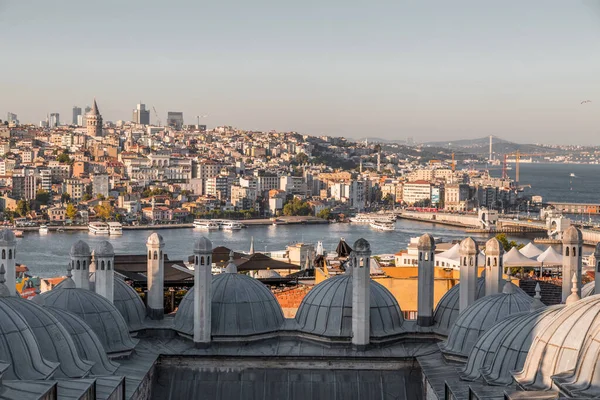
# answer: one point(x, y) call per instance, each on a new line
point(538, 292)
point(69, 283)
point(251, 244)
point(4, 292)
point(231, 267)
point(574, 289)
point(95, 110)
point(537, 299)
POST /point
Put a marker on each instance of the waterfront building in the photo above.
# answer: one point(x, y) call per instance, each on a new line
point(456, 197)
point(415, 192)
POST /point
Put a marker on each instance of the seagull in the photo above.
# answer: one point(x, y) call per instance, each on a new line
point(586, 101)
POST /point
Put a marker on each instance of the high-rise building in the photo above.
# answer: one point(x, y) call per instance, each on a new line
point(100, 185)
point(141, 115)
point(24, 187)
point(12, 119)
point(76, 114)
point(94, 121)
point(54, 120)
point(175, 119)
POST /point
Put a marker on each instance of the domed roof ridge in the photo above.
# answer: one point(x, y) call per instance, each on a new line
point(56, 344)
point(102, 316)
point(362, 245)
point(479, 317)
point(88, 344)
point(80, 249)
point(565, 335)
point(129, 304)
point(104, 249)
point(589, 289)
point(447, 309)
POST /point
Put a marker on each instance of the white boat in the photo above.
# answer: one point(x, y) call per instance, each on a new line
point(98, 228)
point(231, 226)
point(573, 175)
point(383, 226)
point(115, 228)
point(43, 229)
point(369, 218)
point(206, 224)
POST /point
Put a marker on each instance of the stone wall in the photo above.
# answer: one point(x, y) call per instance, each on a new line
point(290, 298)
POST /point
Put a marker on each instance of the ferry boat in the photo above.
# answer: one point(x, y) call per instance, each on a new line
point(362, 219)
point(115, 228)
point(18, 233)
point(43, 229)
point(383, 226)
point(206, 224)
point(99, 228)
point(231, 226)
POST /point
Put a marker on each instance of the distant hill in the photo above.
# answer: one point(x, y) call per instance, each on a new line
point(481, 146)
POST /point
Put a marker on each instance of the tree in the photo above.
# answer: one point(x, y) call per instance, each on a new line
point(506, 244)
point(324, 213)
point(86, 197)
point(296, 207)
point(22, 208)
point(388, 199)
point(100, 196)
point(104, 211)
point(301, 158)
point(71, 211)
point(63, 158)
point(42, 196)
point(65, 197)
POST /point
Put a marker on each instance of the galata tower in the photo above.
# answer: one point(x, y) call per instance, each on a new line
point(94, 121)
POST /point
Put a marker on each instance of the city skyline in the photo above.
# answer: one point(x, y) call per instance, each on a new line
point(517, 71)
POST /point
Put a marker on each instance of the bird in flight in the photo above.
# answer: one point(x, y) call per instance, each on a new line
point(586, 101)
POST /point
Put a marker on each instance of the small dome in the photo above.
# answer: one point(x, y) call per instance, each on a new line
point(80, 249)
point(129, 304)
point(589, 289)
point(362, 245)
point(572, 236)
point(7, 237)
point(104, 249)
point(493, 247)
point(241, 306)
point(99, 313)
point(327, 309)
point(426, 242)
point(55, 342)
point(203, 245)
point(266, 274)
point(557, 346)
point(479, 317)
point(447, 309)
point(155, 239)
point(468, 246)
point(87, 342)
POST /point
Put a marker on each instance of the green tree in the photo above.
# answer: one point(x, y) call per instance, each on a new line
point(86, 197)
point(42, 196)
point(22, 208)
point(301, 158)
point(63, 158)
point(65, 197)
point(100, 196)
point(324, 213)
point(296, 207)
point(388, 199)
point(506, 243)
point(71, 211)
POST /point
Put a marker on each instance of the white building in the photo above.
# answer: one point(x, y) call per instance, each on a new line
point(413, 192)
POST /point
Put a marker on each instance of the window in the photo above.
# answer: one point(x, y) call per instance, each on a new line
point(567, 252)
point(495, 262)
point(155, 255)
point(102, 265)
point(3, 254)
point(150, 255)
point(10, 254)
point(78, 265)
point(108, 265)
point(202, 260)
point(420, 256)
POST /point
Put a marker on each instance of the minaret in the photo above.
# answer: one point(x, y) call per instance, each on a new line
point(251, 245)
point(361, 294)
point(81, 259)
point(426, 251)
point(4, 290)
point(156, 277)
point(320, 250)
point(94, 121)
point(105, 274)
point(379, 161)
point(572, 242)
point(493, 267)
point(202, 292)
point(468, 273)
point(597, 268)
point(8, 248)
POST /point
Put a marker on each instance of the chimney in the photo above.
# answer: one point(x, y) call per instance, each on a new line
point(156, 277)
point(572, 242)
point(426, 250)
point(202, 292)
point(361, 294)
point(80, 262)
point(8, 248)
point(597, 268)
point(493, 267)
point(104, 256)
point(468, 273)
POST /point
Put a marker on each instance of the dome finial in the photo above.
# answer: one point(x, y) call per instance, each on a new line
point(574, 296)
point(69, 283)
point(537, 299)
point(38, 299)
point(538, 292)
point(4, 292)
point(231, 267)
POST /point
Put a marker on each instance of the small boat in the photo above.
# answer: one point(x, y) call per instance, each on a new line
point(573, 175)
point(383, 226)
point(60, 230)
point(98, 228)
point(18, 233)
point(231, 226)
point(43, 229)
point(115, 228)
point(206, 224)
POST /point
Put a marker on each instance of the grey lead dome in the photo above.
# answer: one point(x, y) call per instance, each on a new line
point(327, 309)
point(426, 242)
point(80, 249)
point(104, 249)
point(572, 236)
point(7, 237)
point(362, 245)
point(129, 304)
point(203, 245)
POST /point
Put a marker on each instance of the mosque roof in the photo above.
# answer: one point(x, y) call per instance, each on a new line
point(480, 316)
point(550, 256)
point(447, 309)
point(99, 313)
point(129, 304)
point(589, 289)
point(80, 249)
point(530, 250)
point(327, 309)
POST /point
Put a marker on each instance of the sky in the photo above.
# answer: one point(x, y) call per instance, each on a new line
point(431, 70)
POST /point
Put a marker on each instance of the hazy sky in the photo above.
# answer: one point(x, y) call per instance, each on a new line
point(433, 70)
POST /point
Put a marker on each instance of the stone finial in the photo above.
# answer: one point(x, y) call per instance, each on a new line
point(538, 291)
point(509, 288)
point(69, 283)
point(38, 299)
point(537, 299)
point(4, 292)
point(574, 289)
point(231, 267)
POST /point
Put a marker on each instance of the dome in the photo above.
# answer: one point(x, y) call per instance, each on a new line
point(155, 239)
point(266, 274)
point(572, 235)
point(468, 246)
point(55, 342)
point(589, 289)
point(104, 249)
point(99, 313)
point(426, 242)
point(241, 306)
point(7, 237)
point(493, 247)
point(20, 348)
point(362, 245)
point(203, 245)
point(555, 349)
point(479, 317)
point(447, 309)
point(80, 249)
point(87, 342)
point(129, 304)
point(327, 309)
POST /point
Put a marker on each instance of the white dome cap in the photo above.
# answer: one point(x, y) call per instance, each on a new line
point(80, 249)
point(203, 245)
point(155, 239)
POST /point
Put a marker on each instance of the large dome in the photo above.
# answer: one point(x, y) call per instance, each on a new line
point(589, 289)
point(129, 304)
point(447, 309)
point(556, 348)
point(327, 309)
point(99, 313)
point(55, 342)
point(479, 317)
point(20, 348)
point(87, 342)
point(241, 306)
